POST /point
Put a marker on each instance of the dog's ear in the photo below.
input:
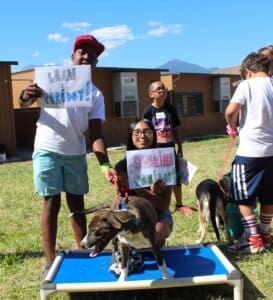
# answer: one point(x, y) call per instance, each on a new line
point(118, 217)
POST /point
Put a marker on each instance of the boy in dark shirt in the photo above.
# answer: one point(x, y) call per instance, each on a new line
point(166, 122)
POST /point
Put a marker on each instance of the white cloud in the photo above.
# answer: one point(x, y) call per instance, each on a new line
point(154, 23)
point(158, 29)
point(57, 37)
point(114, 36)
point(36, 54)
point(76, 26)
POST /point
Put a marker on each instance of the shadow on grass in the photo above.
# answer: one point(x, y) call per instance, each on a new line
point(212, 292)
point(251, 292)
point(18, 257)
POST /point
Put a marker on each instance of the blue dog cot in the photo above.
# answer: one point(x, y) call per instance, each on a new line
point(76, 271)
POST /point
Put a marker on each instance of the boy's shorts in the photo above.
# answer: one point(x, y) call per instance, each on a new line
point(251, 180)
point(165, 216)
point(54, 173)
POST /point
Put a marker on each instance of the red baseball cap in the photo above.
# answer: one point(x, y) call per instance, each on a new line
point(89, 40)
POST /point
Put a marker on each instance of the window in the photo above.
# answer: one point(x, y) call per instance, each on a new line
point(221, 93)
point(188, 104)
point(220, 105)
point(125, 94)
point(126, 107)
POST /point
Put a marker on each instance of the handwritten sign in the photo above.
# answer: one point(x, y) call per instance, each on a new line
point(65, 86)
point(147, 165)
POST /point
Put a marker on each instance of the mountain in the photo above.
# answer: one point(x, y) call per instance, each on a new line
point(179, 66)
point(28, 67)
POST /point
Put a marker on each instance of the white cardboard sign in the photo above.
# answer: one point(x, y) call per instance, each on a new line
point(65, 86)
point(147, 165)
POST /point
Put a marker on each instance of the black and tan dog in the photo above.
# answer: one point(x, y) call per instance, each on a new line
point(132, 226)
point(212, 199)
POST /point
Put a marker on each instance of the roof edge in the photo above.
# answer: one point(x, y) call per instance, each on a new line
point(8, 62)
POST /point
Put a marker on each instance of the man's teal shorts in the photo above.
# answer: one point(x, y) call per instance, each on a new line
point(54, 173)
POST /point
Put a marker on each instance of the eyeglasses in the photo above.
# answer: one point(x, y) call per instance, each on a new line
point(146, 132)
point(160, 90)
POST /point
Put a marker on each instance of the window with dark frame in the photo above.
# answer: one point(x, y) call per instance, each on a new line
point(125, 99)
point(188, 104)
point(125, 109)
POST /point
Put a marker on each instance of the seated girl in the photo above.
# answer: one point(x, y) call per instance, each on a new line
point(141, 135)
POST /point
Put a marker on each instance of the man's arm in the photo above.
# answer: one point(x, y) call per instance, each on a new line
point(231, 114)
point(99, 149)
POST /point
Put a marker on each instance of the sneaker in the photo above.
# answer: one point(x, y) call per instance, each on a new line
point(267, 238)
point(247, 244)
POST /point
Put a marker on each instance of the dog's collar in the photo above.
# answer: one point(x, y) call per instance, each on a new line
point(133, 223)
point(136, 221)
point(122, 204)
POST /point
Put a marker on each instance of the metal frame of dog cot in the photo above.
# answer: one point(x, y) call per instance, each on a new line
point(189, 265)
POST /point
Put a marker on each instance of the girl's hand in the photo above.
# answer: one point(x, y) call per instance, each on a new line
point(158, 187)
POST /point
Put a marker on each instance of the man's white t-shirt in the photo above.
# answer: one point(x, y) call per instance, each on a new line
point(256, 117)
point(61, 130)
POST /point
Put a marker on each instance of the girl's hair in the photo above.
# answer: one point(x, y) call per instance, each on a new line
point(267, 51)
point(255, 62)
point(132, 126)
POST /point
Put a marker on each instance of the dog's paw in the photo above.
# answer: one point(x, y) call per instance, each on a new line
point(122, 277)
point(165, 274)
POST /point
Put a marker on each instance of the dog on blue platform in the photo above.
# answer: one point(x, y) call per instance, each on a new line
point(213, 198)
point(132, 226)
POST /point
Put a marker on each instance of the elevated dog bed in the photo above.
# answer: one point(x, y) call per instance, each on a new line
point(75, 271)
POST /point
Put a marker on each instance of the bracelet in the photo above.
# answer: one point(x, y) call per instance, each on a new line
point(21, 97)
point(105, 166)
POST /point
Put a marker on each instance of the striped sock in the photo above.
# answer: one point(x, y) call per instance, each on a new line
point(250, 224)
point(265, 221)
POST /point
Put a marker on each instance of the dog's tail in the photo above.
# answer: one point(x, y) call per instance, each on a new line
point(212, 208)
point(91, 210)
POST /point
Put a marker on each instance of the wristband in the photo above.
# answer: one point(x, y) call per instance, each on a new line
point(21, 97)
point(105, 166)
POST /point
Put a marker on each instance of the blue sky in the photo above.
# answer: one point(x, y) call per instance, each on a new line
point(136, 33)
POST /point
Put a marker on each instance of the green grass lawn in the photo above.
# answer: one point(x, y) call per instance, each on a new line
point(21, 257)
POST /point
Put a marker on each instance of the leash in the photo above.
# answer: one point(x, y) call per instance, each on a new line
point(226, 158)
point(122, 192)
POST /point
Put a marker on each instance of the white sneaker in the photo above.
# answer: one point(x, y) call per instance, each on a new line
point(248, 244)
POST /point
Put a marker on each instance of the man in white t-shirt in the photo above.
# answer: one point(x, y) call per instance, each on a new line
point(59, 157)
point(252, 169)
